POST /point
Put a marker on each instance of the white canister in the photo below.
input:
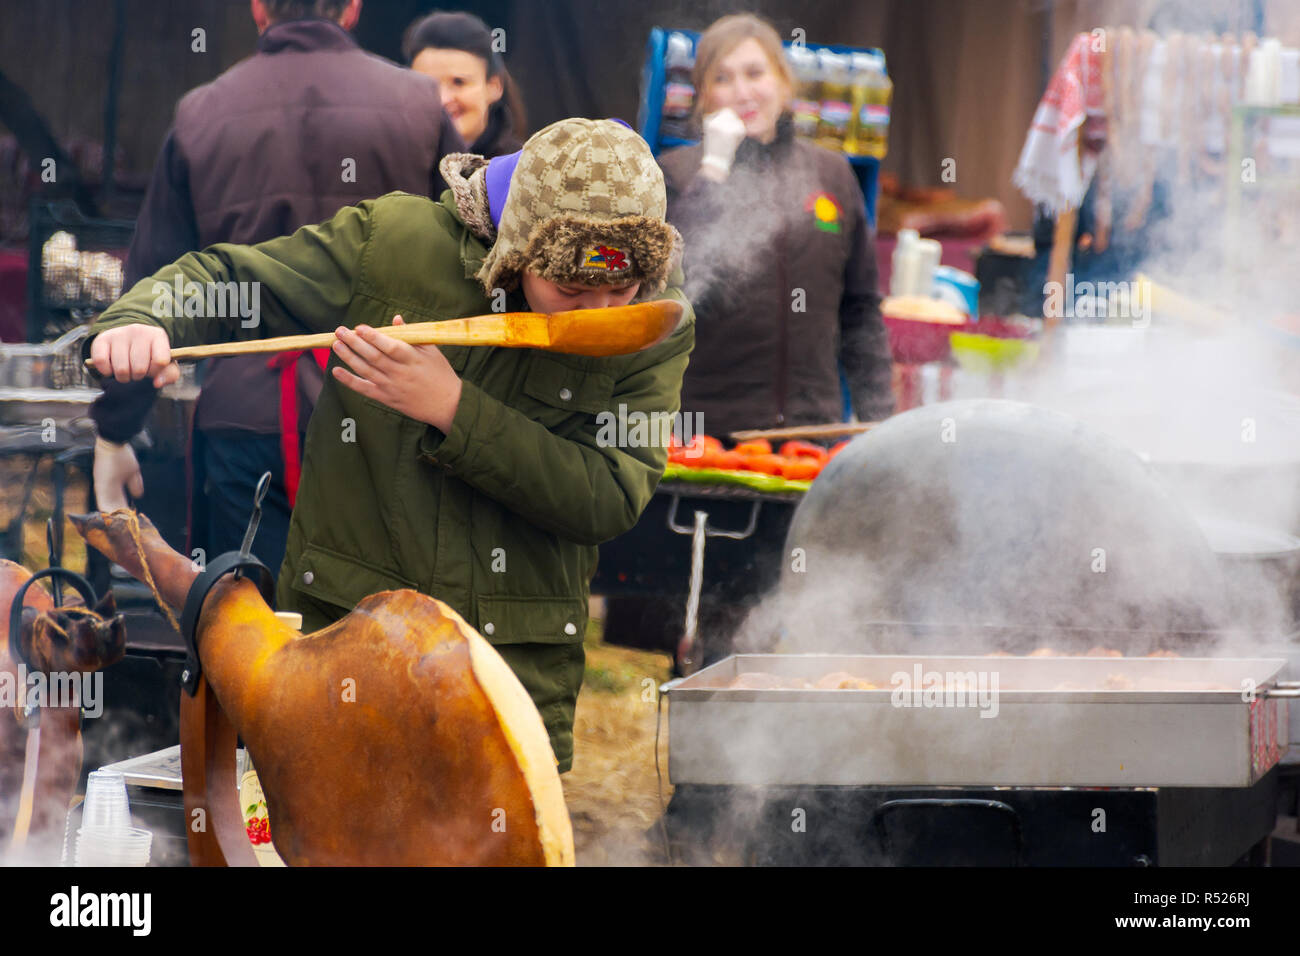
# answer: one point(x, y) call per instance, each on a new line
point(904, 278)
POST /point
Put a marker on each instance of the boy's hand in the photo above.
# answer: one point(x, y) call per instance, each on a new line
point(416, 380)
point(129, 353)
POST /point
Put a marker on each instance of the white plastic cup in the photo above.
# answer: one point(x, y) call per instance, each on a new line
point(931, 253)
point(113, 846)
point(106, 804)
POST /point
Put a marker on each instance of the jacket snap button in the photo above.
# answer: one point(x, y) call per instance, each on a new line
point(308, 577)
point(570, 629)
point(565, 395)
point(489, 628)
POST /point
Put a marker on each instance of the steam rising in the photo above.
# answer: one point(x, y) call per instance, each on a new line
point(1121, 501)
point(1204, 397)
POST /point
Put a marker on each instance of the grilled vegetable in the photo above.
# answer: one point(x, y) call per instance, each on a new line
point(768, 464)
point(804, 449)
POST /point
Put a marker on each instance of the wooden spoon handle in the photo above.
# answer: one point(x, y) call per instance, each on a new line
point(285, 343)
point(520, 329)
point(832, 430)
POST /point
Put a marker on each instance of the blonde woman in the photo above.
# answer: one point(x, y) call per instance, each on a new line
point(780, 259)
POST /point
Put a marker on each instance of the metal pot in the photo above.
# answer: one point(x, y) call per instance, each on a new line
point(1223, 447)
point(1261, 569)
point(998, 513)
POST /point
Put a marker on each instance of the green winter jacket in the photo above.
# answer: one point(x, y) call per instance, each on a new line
point(499, 518)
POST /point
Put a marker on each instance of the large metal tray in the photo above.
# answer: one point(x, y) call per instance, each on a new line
point(161, 770)
point(45, 365)
point(1184, 736)
point(32, 406)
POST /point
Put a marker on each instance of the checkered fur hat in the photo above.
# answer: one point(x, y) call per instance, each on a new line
point(585, 206)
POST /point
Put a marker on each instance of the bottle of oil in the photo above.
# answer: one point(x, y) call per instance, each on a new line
point(833, 121)
point(807, 103)
point(857, 138)
point(873, 115)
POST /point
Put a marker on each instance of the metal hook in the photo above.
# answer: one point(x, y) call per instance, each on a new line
point(53, 541)
point(263, 484)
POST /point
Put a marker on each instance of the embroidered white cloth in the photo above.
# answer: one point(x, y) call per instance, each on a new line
point(1052, 170)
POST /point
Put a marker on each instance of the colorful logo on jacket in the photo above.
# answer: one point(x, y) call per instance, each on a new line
point(605, 257)
point(826, 211)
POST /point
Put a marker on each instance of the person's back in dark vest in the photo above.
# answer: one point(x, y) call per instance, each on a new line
point(285, 138)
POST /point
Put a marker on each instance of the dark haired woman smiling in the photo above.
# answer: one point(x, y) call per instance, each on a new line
point(477, 92)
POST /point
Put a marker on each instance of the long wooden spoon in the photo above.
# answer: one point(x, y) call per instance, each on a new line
point(617, 330)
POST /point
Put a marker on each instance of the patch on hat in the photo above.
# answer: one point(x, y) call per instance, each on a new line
point(605, 257)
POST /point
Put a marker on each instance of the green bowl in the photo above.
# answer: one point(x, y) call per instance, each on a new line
point(987, 355)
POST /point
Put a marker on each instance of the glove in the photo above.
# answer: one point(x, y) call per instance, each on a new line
point(723, 132)
point(116, 472)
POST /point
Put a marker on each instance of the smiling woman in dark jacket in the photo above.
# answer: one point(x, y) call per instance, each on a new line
point(780, 260)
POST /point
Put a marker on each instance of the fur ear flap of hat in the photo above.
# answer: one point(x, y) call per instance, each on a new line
point(586, 207)
point(466, 177)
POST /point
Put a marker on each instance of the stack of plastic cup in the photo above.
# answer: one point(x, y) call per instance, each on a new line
point(113, 846)
point(106, 837)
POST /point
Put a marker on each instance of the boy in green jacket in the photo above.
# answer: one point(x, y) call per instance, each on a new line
point(480, 476)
